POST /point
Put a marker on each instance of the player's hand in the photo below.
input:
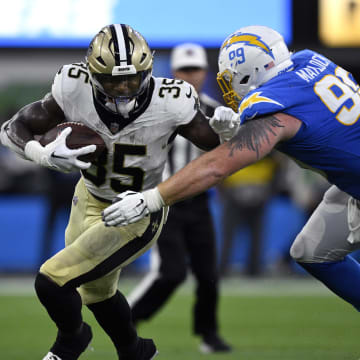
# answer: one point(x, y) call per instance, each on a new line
point(56, 155)
point(225, 122)
point(127, 208)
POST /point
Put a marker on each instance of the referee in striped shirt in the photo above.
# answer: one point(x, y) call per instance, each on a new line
point(187, 241)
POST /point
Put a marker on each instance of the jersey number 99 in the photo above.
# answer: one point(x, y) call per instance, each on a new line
point(340, 94)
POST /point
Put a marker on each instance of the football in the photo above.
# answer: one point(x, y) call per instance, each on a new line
point(80, 136)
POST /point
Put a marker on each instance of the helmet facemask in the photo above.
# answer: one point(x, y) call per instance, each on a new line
point(119, 93)
point(234, 87)
point(120, 65)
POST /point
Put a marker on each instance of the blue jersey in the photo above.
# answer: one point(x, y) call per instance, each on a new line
point(326, 99)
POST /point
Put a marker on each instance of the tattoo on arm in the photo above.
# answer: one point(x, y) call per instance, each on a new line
point(252, 134)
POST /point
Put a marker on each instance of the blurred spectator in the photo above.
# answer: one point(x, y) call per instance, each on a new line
point(186, 239)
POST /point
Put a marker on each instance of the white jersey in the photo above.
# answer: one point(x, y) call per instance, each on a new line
point(136, 155)
point(183, 151)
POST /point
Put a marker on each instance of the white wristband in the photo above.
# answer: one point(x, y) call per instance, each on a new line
point(153, 200)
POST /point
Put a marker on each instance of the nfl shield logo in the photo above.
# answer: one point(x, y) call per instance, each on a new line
point(114, 127)
point(75, 200)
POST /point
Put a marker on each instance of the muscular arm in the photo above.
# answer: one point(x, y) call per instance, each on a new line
point(254, 140)
point(34, 119)
point(199, 132)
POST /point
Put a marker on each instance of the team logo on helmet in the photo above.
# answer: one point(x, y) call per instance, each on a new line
point(248, 39)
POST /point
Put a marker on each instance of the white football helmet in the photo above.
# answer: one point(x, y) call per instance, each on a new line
point(248, 58)
point(120, 64)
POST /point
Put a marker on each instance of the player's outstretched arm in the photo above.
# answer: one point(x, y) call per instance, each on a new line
point(254, 140)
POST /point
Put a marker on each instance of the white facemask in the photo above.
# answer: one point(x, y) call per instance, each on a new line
point(123, 107)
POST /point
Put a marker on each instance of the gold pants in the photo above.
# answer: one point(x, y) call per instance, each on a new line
point(94, 254)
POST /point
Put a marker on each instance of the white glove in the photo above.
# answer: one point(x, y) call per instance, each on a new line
point(225, 122)
point(129, 207)
point(56, 155)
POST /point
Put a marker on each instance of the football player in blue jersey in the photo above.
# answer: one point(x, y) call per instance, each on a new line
point(303, 105)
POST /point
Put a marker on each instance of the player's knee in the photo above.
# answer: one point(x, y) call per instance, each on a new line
point(54, 271)
point(297, 250)
point(45, 287)
point(41, 283)
point(303, 251)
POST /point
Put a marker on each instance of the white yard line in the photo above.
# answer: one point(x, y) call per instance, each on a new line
point(234, 286)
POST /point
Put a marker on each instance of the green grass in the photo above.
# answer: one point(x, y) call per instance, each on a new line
point(271, 325)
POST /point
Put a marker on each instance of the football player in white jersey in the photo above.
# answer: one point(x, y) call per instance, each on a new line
point(138, 116)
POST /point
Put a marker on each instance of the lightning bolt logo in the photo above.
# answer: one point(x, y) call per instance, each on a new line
point(249, 39)
point(256, 98)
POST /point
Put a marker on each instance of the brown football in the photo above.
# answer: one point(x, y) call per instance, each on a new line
point(80, 136)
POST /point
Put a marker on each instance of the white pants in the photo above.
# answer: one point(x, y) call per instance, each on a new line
point(324, 237)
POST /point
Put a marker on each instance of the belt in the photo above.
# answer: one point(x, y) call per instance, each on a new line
point(100, 198)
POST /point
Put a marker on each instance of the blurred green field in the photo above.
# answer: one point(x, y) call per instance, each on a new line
point(262, 320)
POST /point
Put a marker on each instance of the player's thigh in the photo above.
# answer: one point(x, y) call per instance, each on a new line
point(85, 212)
point(94, 250)
point(324, 237)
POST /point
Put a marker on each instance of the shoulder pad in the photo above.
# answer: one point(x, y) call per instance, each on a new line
point(180, 98)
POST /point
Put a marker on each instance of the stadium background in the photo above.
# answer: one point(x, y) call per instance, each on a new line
point(29, 58)
point(35, 41)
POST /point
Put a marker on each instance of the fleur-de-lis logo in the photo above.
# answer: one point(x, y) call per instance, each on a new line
point(154, 226)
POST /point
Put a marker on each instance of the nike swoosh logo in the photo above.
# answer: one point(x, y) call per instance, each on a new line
point(57, 156)
point(189, 94)
point(252, 116)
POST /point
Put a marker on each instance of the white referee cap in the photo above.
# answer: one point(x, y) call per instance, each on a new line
point(188, 55)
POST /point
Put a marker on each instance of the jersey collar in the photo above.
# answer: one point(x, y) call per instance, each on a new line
point(116, 122)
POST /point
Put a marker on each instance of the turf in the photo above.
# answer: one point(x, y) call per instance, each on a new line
point(288, 327)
